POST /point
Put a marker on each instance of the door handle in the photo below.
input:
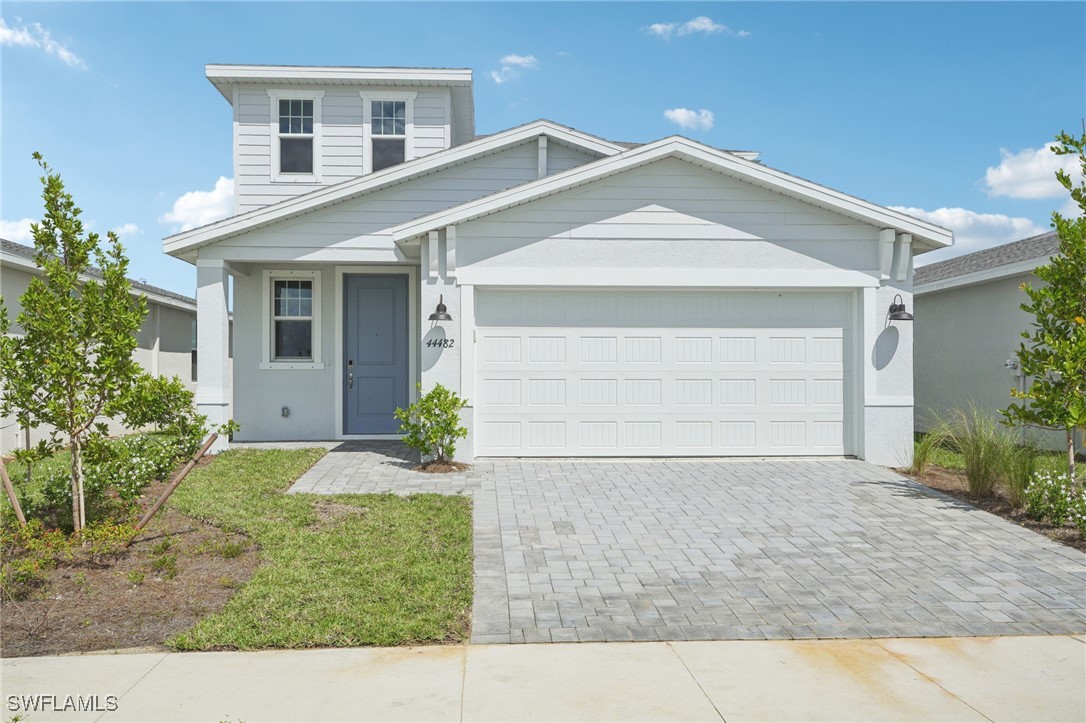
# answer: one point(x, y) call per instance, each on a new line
point(350, 381)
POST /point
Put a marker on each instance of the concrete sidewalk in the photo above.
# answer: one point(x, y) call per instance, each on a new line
point(944, 679)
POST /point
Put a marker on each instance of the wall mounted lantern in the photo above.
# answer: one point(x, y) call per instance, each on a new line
point(441, 313)
point(897, 310)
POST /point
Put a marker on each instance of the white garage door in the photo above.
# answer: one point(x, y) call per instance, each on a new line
point(648, 373)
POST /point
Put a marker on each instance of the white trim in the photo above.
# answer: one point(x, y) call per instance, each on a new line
point(655, 277)
point(430, 163)
point(886, 252)
point(275, 95)
point(692, 152)
point(266, 360)
point(408, 98)
point(979, 277)
point(413, 371)
point(903, 263)
point(541, 162)
point(869, 331)
point(450, 253)
point(433, 255)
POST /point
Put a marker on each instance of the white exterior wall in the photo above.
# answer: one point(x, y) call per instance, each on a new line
point(673, 224)
point(965, 335)
point(358, 231)
point(164, 348)
point(341, 139)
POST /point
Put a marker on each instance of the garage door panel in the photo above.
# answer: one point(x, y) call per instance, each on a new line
point(672, 388)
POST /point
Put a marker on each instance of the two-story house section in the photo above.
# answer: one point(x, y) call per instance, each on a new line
point(297, 129)
point(587, 297)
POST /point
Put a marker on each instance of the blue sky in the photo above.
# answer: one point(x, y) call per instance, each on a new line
point(944, 109)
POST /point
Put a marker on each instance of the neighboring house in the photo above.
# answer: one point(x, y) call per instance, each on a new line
point(969, 309)
point(165, 344)
point(587, 297)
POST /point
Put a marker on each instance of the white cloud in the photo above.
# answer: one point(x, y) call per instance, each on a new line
point(701, 24)
point(127, 229)
point(197, 208)
point(972, 231)
point(701, 120)
point(1030, 173)
point(17, 230)
point(511, 67)
point(36, 36)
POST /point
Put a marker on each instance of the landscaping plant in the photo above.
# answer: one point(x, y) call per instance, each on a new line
point(938, 434)
point(1053, 497)
point(1055, 358)
point(986, 449)
point(71, 367)
point(432, 424)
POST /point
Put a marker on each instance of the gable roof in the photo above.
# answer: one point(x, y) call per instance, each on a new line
point(23, 256)
point(1035, 248)
point(1000, 262)
point(925, 235)
point(186, 241)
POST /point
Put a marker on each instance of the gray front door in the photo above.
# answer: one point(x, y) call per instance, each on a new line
point(375, 367)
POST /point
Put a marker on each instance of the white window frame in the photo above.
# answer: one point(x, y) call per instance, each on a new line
point(267, 360)
point(408, 98)
point(275, 96)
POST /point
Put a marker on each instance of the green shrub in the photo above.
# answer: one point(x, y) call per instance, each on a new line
point(1053, 497)
point(30, 552)
point(432, 424)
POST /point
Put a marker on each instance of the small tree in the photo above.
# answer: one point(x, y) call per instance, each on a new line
point(1055, 358)
point(72, 366)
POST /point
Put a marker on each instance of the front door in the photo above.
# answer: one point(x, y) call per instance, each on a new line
point(375, 367)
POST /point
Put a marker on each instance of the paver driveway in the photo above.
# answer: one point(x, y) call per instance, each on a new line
point(723, 549)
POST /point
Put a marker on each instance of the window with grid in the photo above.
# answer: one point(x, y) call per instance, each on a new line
point(292, 319)
point(295, 136)
point(388, 128)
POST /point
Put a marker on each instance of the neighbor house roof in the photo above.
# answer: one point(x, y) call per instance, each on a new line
point(925, 235)
point(23, 257)
point(998, 262)
point(226, 77)
point(186, 241)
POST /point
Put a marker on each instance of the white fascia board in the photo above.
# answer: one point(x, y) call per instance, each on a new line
point(692, 152)
point(980, 277)
point(29, 266)
point(668, 278)
point(177, 244)
point(225, 76)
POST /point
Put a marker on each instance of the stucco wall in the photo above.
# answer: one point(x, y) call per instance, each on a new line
point(964, 336)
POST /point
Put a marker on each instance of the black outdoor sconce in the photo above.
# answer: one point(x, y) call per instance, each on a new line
point(897, 310)
point(441, 313)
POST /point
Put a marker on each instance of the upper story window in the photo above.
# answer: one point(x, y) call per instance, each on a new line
point(390, 127)
point(296, 135)
point(388, 124)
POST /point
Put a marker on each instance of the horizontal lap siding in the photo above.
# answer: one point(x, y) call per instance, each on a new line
point(364, 223)
point(636, 218)
point(341, 141)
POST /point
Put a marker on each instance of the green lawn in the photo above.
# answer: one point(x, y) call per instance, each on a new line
point(336, 571)
point(948, 458)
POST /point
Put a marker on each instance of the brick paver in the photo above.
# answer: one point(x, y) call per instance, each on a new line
point(590, 550)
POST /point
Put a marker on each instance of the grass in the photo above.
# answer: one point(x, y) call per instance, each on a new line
point(336, 571)
point(948, 458)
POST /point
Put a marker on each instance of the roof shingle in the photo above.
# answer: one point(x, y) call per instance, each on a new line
point(1039, 247)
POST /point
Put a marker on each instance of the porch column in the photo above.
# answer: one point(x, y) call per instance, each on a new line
point(213, 393)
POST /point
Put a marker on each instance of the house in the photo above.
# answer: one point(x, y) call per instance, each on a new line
point(975, 301)
point(166, 341)
point(587, 297)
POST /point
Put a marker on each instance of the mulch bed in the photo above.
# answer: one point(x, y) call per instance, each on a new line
point(86, 607)
point(441, 467)
point(954, 483)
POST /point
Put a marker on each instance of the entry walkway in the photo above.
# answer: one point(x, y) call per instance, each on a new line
point(974, 679)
